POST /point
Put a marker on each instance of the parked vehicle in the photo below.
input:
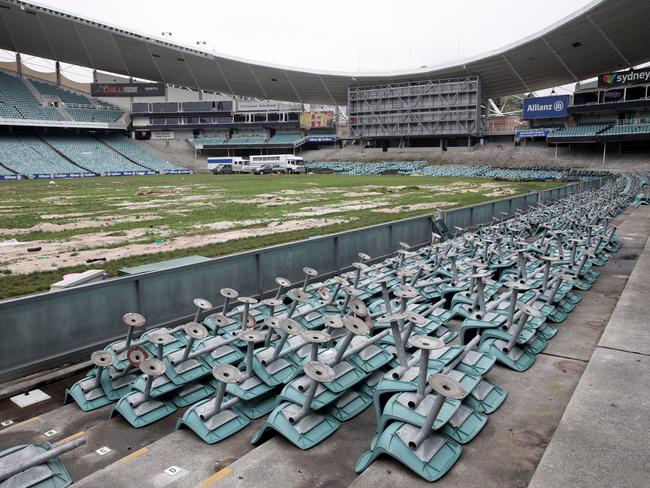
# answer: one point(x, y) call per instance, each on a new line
point(265, 169)
point(214, 163)
point(223, 169)
point(287, 163)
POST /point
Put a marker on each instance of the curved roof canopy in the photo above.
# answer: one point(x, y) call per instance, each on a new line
point(605, 35)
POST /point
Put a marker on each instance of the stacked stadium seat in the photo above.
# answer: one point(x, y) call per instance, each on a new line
point(421, 168)
point(92, 155)
point(134, 152)
point(29, 156)
point(16, 101)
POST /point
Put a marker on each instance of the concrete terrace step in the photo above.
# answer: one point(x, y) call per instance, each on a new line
point(279, 463)
point(194, 461)
point(603, 439)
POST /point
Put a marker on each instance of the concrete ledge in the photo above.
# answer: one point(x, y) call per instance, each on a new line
point(602, 439)
point(629, 327)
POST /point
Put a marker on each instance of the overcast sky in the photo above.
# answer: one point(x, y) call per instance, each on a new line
point(347, 35)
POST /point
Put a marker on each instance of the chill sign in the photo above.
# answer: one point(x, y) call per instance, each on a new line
point(546, 107)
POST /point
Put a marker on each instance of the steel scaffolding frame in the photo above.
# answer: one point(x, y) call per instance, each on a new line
point(444, 107)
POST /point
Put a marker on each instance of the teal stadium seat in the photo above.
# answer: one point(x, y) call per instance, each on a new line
point(627, 129)
point(590, 130)
point(29, 156)
point(65, 96)
point(91, 154)
point(94, 115)
point(17, 102)
point(293, 138)
point(134, 152)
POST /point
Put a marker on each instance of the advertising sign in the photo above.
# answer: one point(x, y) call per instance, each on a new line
point(621, 78)
point(311, 120)
point(532, 133)
point(321, 138)
point(257, 106)
point(546, 107)
point(162, 135)
point(127, 89)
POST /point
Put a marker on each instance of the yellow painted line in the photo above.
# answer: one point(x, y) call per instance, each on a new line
point(72, 437)
point(133, 455)
point(215, 477)
point(28, 421)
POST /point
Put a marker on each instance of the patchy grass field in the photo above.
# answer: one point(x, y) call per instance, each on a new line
point(137, 220)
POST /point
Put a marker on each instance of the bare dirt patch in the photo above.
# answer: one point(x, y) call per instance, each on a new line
point(53, 257)
point(357, 194)
point(105, 221)
point(330, 209)
point(414, 207)
point(270, 200)
point(501, 193)
point(159, 190)
point(229, 224)
point(66, 215)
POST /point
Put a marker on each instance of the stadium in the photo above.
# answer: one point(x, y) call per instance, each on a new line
point(219, 271)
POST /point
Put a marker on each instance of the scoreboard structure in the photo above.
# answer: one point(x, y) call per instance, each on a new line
point(432, 108)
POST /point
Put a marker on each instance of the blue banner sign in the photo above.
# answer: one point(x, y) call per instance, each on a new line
point(49, 176)
point(532, 133)
point(546, 107)
point(9, 177)
point(129, 173)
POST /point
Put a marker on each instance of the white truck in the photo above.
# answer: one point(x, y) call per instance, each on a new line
point(217, 165)
point(279, 163)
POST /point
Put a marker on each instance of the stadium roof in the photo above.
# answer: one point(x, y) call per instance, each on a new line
point(605, 35)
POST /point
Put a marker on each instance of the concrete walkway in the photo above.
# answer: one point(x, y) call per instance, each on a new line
point(603, 439)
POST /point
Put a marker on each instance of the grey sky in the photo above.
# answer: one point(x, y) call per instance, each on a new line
point(348, 35)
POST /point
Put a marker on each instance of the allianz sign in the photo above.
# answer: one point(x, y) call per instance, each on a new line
point(546, 107)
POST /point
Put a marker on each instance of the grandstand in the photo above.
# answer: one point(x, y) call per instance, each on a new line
point(18, 102)
point(628, 129)
point(246, 140)
point(65, 96)
point(91, 155)
point(31, 99)
point(94, 115)
point(578, 133)
point(131, 150)
point(30, 157)
point(293, 138)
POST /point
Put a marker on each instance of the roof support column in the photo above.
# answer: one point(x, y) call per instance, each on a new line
point(19, 65)
point(57, 68)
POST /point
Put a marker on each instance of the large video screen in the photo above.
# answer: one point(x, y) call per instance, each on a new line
point(311, 120)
